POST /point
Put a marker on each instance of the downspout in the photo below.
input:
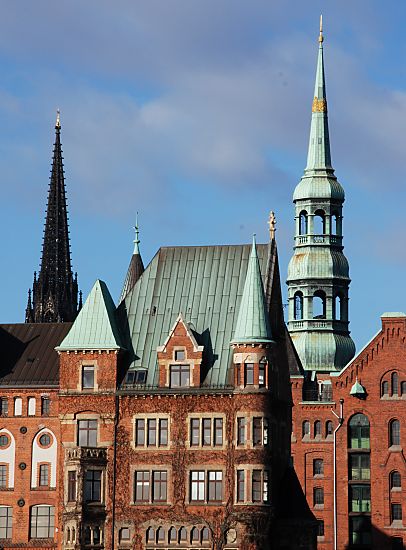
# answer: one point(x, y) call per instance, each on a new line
point(340, 423)
point(113, 497)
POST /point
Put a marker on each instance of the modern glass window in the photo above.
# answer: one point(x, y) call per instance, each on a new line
point(395, 480)
point(3, 406)
point(180, 376)
point(360, 530)
point(197, 486)
point(45, 406)
point(6, 522)
point(87, 433)
point(359, 433)
point(241, 431)
point(240, 485)
point(44, 475)
point(360, 498)
point(305, 428)
point(395, 383)
point(71, 486)
point(394, 432)
point(359, 465)
point(88, 377)
point(318, 467)
point(3, 476)
point(92, 486)
point(142, 486)
point(396, 512)
point(249, 374)
point(160, 486)
point(318, 496)
point(42, 522)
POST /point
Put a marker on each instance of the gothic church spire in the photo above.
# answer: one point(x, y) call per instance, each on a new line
point(55, 291)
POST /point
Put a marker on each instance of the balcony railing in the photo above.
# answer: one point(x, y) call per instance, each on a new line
point(319, 239)
point(86, 453)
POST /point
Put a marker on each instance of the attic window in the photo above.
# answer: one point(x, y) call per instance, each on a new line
point(180, 376)
point(180, 355)
point(136, 377)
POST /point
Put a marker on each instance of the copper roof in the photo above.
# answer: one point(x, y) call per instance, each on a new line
point(28, 357)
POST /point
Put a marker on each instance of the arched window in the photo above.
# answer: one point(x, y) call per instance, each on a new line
point(395, 480)
point(319, 222)
point(394, 432)
point(359, 432)
point(172, 538)
point(68, 535)
point(329, 428)
point(160, 534)
point(150, 534)
point(319, 305)
point(317, 428)
point(303, 222)
point(87, 535)
point(305, 428)
point(73, 534)
point(395, 383)
point(182, 535)
point(205, 535)
point(96, 535)
point(334, 224)
point(194, 535)
point(298, 306)
point(385, 388)
point(338, 310)
point(403, 388)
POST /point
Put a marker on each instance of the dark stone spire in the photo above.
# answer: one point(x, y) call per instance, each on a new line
point(55, 291)
point(136, 267)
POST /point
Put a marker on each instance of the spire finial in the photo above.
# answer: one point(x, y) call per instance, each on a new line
point(321, 38)
point(58, 119)
point(137, 233)
point(272, 224)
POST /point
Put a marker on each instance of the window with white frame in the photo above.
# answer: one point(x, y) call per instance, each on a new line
point(206, 486)
point(42, 522)
point(6, 522)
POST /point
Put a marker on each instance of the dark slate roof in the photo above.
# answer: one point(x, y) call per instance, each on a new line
point(205, 284)
point(28, 357)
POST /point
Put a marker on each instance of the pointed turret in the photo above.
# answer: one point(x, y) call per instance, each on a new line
point(136, 267)
point(318, 273)
point(252, 321)
point(55, 292)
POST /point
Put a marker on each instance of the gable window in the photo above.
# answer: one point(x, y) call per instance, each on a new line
point(3, 406)
point(249, 374)
point(45, 406)
point(92, 486)
point(87, 433)
point(394, 432)
point(88, 377)
point(180, 355)
point(42, 522)
point(179, 376)
point(44, 475)
point(6, 522)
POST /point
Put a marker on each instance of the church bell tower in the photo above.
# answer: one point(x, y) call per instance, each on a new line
point(318, 273)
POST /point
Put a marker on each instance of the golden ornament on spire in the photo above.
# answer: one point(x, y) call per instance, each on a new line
point(321, 30)
point(58, 119)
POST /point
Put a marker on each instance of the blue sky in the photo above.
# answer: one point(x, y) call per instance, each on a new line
point(197, 114)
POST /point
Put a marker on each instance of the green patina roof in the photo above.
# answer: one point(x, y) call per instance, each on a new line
point(205, 284)
point(95, 327)
point(357, 389)
point(252, 321)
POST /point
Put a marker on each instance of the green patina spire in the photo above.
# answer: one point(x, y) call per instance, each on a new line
point(137, 236)
point(252, 322)
point(319, 157)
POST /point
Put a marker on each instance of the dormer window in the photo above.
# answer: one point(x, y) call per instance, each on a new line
point(180, 355)
point(179, 376)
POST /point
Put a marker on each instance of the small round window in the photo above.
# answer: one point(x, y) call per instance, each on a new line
point(45, 440)
point(4, 440)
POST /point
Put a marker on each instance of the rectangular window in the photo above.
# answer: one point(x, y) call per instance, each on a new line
point(42, 522)
point(265, 486)
point(215, 486)
point(3, 406)
point(87, 433)
point(160, 486)
point(206, 439)
point(6, 522)
point(249, 374)
point(257, 431)
point(397, 543)
point(320, 528)
point(31, 406)
point(163, 432)
point(92, 488)
point(318, 496)
point(140, 432)
point(241, 431)
point(142, 486)
point(18, 406)
point(240, 485)
point(197, 481)
point(180, 376)
point(180, 355)
point(71, 486)
point(360, 530)
point(194, 432)
point(256, 485)
point(396, 512)
point(44, 475)
point(218, 432)
point(360, 498)
point(360, 467)
point(238, 374)
point(151, 437)
point(88, 377)
point(45, 406)
point(261, 375)
point(3, 476)
point(318, 467)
